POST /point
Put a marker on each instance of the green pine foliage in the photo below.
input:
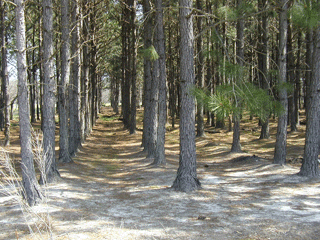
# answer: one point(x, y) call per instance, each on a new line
point(306, 13)
point(150, 53)
point(233, 13)
point(227, 99)
point(237, 95)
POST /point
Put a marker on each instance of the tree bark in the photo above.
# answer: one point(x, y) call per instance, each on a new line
point(281, 139)
point(187, 179)
point(154, 105)
point(4, 76)
point(74, 87)
point(291, 79)
point(147, 75)
point(85, 69)
point(310, 165)
point(64, 155)
point(200, 71)
point(160, 157)
point(30, 184)
point(236, 146)
point(126, 77)
point(133, 66)
point(309, 51)
point(263, 62)
point(297, 87)
point(49, 99)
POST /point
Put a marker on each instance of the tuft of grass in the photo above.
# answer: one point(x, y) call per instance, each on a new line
point(108, 118)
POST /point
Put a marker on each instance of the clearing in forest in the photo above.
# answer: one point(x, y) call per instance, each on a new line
point(112, 192)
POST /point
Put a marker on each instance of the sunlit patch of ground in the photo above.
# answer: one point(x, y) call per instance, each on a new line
point(112, 192)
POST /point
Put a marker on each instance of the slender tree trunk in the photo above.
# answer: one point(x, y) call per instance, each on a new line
point(74, 87)
point(147, 75)
point(133, 67)
point(200, 71)
point(291, 78)
point(297, 87)
point(236, 146)
point(30, 184)
point(85, 72)
point(309, 51)
point(187, 179)
point(126, 57)
point(4, 76)
point(93, 66)
point(154, 105)
point(310, 165)
point(160, 157)
point(64, 155)
point(49, 99)
point(281, 140)
point(263, 62)
point(32, 70)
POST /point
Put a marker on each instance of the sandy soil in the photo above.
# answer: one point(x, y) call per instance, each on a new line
point(112, 192)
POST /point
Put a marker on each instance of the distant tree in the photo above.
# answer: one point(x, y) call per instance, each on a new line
point(263, 59)
point(126, 83)
point(187, 179)
point(4, 74)
point(200, 70)
point(133, 66)
point(74, 86)
point(85, 68)
point(281, 139)
point(64, 155)
point(30, 184)
point(160, 157)
point(147, 74)
point(49, 99)
point(236, 146)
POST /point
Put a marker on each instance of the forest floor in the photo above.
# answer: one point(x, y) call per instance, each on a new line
point(112, 192)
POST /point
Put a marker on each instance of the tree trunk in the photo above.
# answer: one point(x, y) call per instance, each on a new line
point(32, 80)
point(64, 155)
point(309, 51)
point(160, 157)
point(281, 140)
point(187, 179)
point(147, 75)
point(171, 77)
point(236, 146)
point(49, 99)
point(200, 71)
point(30, 184)
point(297, 87)
point(154, 105)
point(93, 66)
point(126, 74)
point(291, 78)
point(4, 76)
point(133, 68)
point(263, 62)
point(310, 165)
point(74, 87)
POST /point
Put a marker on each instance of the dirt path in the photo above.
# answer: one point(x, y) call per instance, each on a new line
point(112, 192)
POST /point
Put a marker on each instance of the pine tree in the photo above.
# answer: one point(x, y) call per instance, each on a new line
point(187, 179)
point(280, 152)
point(49, 99)
point(30, 184)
